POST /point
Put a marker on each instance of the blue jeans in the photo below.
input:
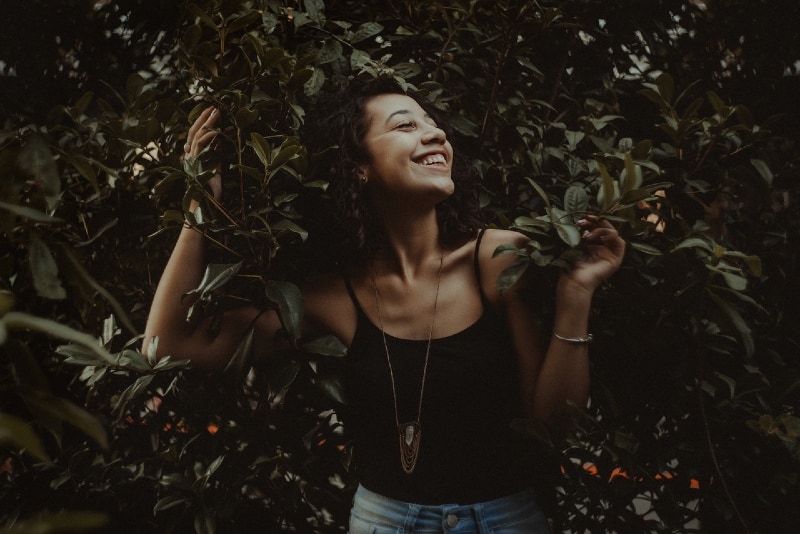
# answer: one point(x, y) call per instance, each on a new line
point(516, 514)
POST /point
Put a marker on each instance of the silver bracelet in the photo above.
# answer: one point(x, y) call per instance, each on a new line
point(577, 340)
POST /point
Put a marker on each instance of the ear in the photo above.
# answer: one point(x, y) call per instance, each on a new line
point(363, 174)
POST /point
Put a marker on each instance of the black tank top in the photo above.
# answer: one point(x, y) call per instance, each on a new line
point(468, 452)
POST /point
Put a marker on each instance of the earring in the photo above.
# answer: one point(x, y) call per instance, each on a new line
point(362, 178)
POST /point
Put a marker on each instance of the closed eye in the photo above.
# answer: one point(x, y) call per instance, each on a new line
point(405, 125)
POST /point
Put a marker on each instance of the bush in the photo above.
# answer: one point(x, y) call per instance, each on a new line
point(564, 107)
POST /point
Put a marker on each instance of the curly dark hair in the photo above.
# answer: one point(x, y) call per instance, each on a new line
point(336, 144)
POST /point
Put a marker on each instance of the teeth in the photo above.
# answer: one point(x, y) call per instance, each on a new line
point(432, 160)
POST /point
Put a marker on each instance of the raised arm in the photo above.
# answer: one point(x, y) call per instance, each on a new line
point(183, 272)
point(554, 365)
point(565, 371)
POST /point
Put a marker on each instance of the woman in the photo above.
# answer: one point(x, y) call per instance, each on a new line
point(439, 361)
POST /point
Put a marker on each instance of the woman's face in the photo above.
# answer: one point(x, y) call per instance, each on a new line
point(409, 156)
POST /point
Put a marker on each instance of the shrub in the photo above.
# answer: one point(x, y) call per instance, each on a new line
point(564, 107)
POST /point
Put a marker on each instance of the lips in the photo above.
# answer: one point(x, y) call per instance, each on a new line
point(437, 159)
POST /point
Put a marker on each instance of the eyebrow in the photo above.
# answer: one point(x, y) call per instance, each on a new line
point(404, 112)
point(398, 112)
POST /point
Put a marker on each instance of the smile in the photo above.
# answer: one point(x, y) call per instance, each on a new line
point(434, 159)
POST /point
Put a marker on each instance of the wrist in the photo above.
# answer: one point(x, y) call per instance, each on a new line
point(580, 340)
point(568, 290)
point(573, 307)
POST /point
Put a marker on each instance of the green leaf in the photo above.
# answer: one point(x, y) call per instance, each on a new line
point(289, 300)
point(654, 96)
point(205, 522)
point(285, 225)
point(646, 249)
point(79, 272)
point(67, 521)
point(216, 276)
point(632, 198)
point(464, 126)
point(525, 62)
point(762, 169)
point(287, 151)
point(315, 83)
point(509, 276)
point(246, 116)
point(666, 86)
point(283, 380)
point(326, 346)
point(315, 10)
point(18, 320)
point(67, 412)
point(30, 213)
point(28, 374)
point(84, 166)
point(507, 248)
point(569, 233)
point(132, 392)
point(632, 177)
point(627, 442)
point(359, 60)
point(576, 200)
point(365, 31)
point(694, 242)
point(573, 138)
point(134, 86)
point(204, 18)
point(331, 386)
point(331, 51)
point(241, 356)
point(791, 424)
point(541, 191)
point(261, 147)
point(608, 188)
point(738, 322)
point(7, 301)
point(213, 466)
point(44, 271)
point(14, 432)
point(170, 501)
point(25, 367)
point(37, 160)
point(733, 280)
point(717, 103)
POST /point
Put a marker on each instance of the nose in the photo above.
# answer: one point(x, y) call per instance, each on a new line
point(433, 134)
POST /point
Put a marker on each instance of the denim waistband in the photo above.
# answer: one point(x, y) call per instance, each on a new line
point(517, 509)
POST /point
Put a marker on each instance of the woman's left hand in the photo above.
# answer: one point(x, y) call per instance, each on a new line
point(604, 250)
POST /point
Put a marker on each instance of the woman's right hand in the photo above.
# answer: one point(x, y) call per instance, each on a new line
point(201, 134)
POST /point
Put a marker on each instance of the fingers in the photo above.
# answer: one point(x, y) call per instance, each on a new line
point(600, 232)
point(201, 132)
point(596, 228)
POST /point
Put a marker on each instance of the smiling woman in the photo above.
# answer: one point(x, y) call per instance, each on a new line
point(439, 361)
point(408, 155)
point(344, 122)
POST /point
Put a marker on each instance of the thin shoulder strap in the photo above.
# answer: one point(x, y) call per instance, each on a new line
point(352, 294)
point(484, 300)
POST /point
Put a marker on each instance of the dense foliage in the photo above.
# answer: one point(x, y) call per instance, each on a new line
point(675, 119)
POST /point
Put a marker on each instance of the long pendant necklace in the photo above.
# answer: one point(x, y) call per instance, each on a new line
point(409, 433)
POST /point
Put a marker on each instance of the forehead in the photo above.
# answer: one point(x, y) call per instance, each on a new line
point(381, 107)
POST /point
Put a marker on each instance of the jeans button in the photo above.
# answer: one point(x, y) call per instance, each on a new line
point(451, 520)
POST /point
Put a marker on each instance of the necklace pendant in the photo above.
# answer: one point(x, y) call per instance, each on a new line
point(410, 435)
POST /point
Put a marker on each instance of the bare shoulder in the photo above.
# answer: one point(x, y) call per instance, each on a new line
point(329, 309)
point(492, 266)
point(494, 237)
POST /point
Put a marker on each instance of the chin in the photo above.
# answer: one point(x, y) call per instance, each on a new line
point(446, 191)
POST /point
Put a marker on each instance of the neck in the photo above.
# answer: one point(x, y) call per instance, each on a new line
point(413, 243)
